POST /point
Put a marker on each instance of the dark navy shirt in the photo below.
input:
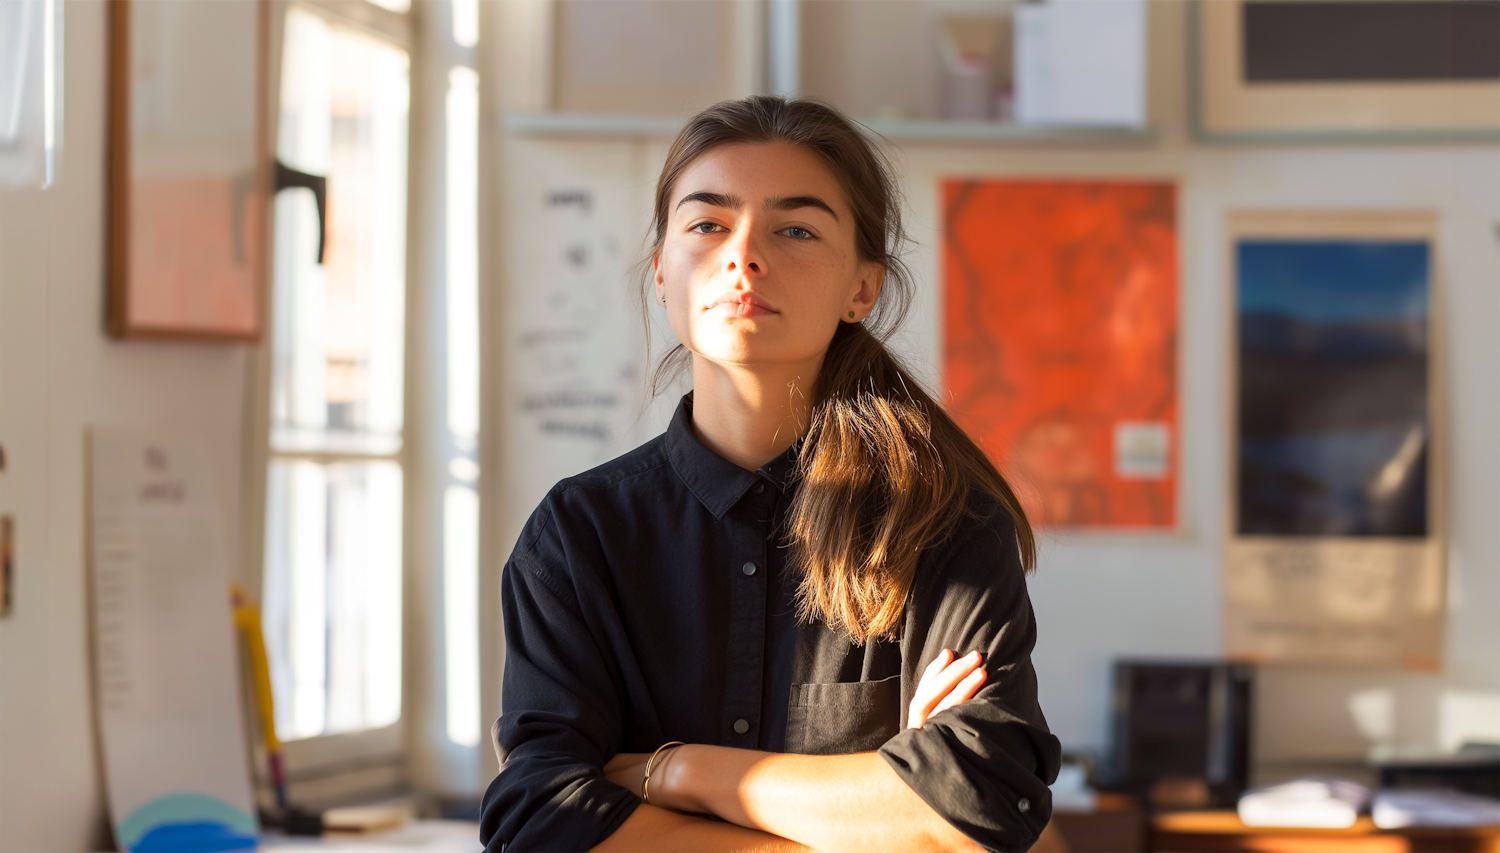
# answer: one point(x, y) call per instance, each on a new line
point(648, 600)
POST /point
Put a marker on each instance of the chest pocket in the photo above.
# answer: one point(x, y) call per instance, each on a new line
point(830, 719)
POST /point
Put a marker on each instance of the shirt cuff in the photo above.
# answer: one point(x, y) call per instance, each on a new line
point(990, 786)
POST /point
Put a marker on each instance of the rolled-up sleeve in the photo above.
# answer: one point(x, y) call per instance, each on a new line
point(983, 765)
point(551, 793)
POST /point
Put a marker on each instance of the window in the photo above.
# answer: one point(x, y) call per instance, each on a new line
point(336, 466)
point(372, 449)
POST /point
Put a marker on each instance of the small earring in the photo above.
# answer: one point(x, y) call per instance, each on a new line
point(851, 315)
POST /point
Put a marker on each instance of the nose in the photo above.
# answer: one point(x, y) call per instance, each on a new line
point(742, 253)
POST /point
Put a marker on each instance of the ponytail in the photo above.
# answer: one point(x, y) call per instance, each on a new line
point(884, 472)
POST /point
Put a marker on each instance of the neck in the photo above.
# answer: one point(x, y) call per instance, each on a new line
point(751, 415)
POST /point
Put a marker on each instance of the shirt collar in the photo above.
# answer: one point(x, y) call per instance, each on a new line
point(715, 481)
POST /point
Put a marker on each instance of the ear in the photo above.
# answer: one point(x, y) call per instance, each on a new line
point(862, 301)
point(656, 275)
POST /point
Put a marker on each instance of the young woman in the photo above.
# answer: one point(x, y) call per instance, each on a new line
point(813, 581)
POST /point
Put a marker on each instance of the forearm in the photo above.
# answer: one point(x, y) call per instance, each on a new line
point(828, 802)
point(660, 831)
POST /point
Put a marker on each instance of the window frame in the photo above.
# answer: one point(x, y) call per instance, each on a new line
point(346, 766)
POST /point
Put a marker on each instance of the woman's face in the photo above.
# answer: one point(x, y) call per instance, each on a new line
point(758, 265)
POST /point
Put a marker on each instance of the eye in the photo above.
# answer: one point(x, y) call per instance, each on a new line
point(704, 228)
point(797, 233)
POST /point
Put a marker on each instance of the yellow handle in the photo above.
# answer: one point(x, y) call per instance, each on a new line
point(247, 619)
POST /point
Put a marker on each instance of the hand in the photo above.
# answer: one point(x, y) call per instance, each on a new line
point(628, 770)
point(946, 682)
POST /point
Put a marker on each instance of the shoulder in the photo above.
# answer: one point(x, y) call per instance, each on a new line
point(574, 504)
point(985, 524)
point(981, 549)
point(971, 588)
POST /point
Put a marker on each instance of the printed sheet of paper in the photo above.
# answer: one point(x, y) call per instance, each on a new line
point(166, 672)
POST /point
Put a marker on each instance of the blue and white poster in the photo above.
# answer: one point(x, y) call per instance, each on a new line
point(1335, 550)
point(1333, 390)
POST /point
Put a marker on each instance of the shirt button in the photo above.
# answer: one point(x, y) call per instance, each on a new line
point(748, 569)
point(741, 726)
point(1024, 805)
point(758, 488)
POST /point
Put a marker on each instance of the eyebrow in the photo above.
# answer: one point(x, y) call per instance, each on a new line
point(795, 202)
point(799, 201)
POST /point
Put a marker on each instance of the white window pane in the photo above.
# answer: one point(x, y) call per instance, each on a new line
point(466, 22)
point(382, 660)
point(463, 256)
point(333, 595)
point(338, 344)
point(30, 91)
point(461, 612)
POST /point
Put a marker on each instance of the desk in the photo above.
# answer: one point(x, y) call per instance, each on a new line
point(1223, 832)
point(419, 836)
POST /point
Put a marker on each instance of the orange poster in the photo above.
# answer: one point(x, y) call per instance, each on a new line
point(1060, 330)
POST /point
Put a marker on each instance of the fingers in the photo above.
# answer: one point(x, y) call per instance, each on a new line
point(940, 679)
point(963, 692)
point(926, 695)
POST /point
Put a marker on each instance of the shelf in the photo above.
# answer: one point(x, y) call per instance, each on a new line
point(589, 124)
point(606, 125)
point(996, 131)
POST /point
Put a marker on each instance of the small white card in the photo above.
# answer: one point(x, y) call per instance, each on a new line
point(1143, 450)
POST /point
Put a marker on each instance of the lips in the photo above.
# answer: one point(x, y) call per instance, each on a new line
point(742, 304)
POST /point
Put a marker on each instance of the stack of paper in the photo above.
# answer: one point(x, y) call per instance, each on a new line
point(1071, 791)
point(1395, 809)
point(1312, 801)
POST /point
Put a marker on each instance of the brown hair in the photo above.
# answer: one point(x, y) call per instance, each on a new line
point(884, 471)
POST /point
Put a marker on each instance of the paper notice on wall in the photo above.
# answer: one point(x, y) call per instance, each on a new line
point(1377, 602)
point(575, 336)
point(165, 667)
point(1081, 62)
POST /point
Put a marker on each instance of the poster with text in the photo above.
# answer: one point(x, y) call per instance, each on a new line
point(1060, 343)
point(1333, 556)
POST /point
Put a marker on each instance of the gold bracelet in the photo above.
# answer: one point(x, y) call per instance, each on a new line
point(646, 780)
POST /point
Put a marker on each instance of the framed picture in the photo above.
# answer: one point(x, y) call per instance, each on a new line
point(1292, 70)
point(1335, 547)
point(1060, 343)
point(188, 181)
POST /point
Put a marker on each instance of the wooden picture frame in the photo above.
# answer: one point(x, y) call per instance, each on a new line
point(1225, 107)
point(1375, 594)
point(188, 169)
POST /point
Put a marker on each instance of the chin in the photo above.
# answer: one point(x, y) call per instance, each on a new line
point(741, 343)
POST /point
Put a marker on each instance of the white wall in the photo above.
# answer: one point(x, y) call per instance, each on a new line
point(59, 374)
point(1099, 598)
